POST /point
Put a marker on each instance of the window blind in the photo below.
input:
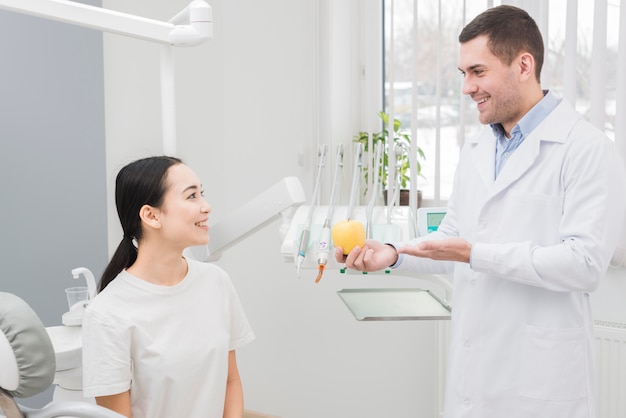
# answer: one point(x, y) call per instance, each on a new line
point(585, 62)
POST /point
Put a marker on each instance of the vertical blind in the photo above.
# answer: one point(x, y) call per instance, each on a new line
point(585, 62)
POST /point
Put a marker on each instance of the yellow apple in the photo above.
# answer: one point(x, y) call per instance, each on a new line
point(348, 234)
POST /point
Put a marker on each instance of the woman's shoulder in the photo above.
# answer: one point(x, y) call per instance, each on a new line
point(207, 270)
point(204, 266)
point(114, 293)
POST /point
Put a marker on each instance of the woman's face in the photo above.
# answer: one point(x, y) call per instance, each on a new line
point(493, 85)
point(184, 212)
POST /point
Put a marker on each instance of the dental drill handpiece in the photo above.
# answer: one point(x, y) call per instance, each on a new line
point(323, 250)
point(304, 242)
point(304, 238)
point(323, 246)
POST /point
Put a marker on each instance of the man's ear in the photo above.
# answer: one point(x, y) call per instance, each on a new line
point(150, 216)
point(526, 63)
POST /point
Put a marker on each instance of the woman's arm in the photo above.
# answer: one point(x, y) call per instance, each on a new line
point(233, 405)
point(119, 403)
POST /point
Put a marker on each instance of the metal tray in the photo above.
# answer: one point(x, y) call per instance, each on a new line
point(394, 304)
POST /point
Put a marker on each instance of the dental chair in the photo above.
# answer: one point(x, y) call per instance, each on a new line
point(27, 365)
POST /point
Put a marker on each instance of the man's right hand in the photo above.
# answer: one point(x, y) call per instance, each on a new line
point(373, 256)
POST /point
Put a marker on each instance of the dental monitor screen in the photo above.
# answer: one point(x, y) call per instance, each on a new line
point(428, 219)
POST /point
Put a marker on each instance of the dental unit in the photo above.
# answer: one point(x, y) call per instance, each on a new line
point(389, 223)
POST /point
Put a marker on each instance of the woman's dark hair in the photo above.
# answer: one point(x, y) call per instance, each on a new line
point(510, 30)
point(139, 183)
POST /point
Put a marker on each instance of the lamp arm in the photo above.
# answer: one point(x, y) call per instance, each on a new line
point(198, 14)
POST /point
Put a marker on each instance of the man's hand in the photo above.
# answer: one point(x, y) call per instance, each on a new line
point(372, 257)
point(451, 249)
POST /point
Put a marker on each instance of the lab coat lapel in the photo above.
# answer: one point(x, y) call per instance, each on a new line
point(483, 158)
point(520, 161)
point(554, 128)
point(484, 155)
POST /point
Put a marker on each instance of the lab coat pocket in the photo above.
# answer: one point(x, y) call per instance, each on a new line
point(553, 364)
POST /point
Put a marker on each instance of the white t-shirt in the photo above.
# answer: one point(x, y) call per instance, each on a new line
point(168, 345)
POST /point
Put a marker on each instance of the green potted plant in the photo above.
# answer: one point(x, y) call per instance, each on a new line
point(402, 163)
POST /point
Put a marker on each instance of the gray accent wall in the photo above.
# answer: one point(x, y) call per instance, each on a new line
point(52, 161)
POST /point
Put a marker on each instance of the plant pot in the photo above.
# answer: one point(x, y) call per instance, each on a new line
point(404, 197)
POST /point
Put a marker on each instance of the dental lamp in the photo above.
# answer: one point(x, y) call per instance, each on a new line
point(190, 27)
point(198, 14)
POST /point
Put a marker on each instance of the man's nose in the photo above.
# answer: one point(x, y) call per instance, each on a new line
point(469, 86)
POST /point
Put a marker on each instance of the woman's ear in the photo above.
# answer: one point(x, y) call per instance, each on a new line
point(150, 216)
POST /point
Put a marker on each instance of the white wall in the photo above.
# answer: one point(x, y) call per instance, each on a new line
point(252, 105)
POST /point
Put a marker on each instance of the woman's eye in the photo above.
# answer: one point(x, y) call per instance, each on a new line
point(194, 195)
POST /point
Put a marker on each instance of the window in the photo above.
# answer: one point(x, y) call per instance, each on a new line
point(582, 62)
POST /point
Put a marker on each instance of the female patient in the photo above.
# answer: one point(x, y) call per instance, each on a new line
point(159, 339)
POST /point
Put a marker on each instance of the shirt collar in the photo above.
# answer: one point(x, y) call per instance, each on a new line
point(533, 118)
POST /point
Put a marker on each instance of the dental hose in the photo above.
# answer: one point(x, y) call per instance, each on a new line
point(323, 247)
point(355, 179)
point(375, 189)
point(392, 194)
point(304, 237)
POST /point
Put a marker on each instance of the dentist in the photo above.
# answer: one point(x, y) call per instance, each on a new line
point(532, 223)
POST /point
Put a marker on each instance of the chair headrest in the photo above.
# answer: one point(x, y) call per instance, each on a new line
point(31, 346)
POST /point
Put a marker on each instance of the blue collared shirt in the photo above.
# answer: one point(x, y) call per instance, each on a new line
point(505, 146)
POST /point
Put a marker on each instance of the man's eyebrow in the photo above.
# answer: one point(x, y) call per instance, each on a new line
point(471, 68)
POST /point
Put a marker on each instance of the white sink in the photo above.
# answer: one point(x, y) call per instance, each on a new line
point(67, 343)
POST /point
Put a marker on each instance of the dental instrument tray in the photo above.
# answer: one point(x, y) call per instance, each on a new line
point(391, 304)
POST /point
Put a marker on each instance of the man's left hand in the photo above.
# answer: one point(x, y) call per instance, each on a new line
point(452, 249)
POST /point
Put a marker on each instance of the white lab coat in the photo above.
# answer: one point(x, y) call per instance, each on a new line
point(543, 234)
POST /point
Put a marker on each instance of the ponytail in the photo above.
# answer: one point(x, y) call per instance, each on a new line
point(124, 257)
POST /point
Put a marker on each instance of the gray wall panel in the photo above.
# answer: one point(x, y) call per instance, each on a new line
point(52, 161)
